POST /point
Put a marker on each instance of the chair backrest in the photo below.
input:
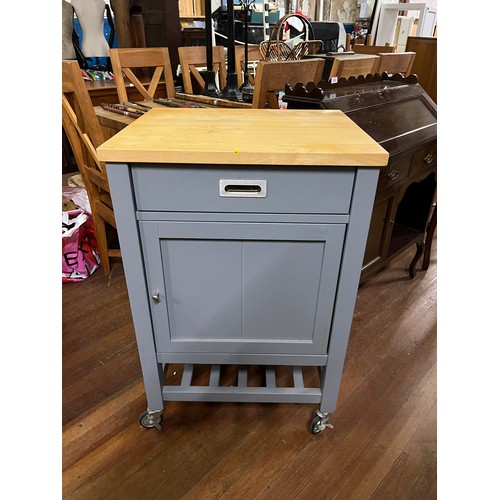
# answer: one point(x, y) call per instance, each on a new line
point(193, 58)
point(353, 65)
point(254, 56)
point(77, 95)
point(85, 135)
point(396, 62)
point(372, 49)
point(328, 33)
point(132, 61)
point(272, 76)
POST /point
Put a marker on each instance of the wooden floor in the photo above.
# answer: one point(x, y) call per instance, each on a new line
point(382, 446)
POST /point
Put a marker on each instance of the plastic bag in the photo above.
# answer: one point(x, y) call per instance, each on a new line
point(80, 257)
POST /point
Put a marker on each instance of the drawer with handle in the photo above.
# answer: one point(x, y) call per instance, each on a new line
point(273, 190)
point(424, 160)
point(396, 171)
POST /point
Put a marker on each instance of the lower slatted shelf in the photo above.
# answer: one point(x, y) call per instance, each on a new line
point(242, 383)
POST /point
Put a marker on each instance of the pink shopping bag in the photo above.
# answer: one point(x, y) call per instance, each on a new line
point(80, 257)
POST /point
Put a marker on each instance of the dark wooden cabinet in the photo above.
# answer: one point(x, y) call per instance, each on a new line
point(401, 117)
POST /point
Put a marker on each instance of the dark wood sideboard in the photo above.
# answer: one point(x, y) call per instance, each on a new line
point(401, 117)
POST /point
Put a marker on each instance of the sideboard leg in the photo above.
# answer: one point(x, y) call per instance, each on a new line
point(431, 228)
point(413, 264)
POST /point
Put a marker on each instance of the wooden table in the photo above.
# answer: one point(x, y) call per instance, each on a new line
point(112, 123)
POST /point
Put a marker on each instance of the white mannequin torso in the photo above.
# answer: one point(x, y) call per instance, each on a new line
point(90, 14)
point(68, 51)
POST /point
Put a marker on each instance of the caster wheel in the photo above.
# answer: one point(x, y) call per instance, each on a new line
point(319, 423)
point(150, 419)
point(315, 426)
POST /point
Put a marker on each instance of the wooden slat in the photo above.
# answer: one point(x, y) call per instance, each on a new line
point(187, 376)
point(270, 376)
point(298, 380)
point(242, 376)
point(214, 375)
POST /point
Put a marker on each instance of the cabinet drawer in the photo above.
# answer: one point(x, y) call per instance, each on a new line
point(395, 172)
point(273, 190)
point(424, 160)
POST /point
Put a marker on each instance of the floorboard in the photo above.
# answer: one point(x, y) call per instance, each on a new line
point(382, 446)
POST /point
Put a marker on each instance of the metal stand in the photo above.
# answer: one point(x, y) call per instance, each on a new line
point(210, 86)
point(246, 87)
point(231, 91)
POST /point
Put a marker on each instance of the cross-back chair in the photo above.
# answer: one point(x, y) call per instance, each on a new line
point(133, 61)
point(396, 62)
point(192, 59)
point(272, 76)
point(254, 56)
point(353, 65)
point(85, 135)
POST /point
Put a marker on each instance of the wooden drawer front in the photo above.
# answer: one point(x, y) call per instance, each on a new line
point(274, 190)
point(395, 172)
point(424, 160)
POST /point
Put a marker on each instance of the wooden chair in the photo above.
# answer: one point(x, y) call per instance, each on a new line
point(354, 65)
point(254, 56)
point(85, 135)
point(396, 62)
point(372, 49)
point(272, 76)
point(133, 61)
point(192, 59)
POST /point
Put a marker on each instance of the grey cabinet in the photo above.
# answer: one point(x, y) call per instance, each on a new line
point(242, 263)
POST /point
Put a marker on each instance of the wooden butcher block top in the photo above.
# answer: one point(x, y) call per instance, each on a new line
point(244, 137)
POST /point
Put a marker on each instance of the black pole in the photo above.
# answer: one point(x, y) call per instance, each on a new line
point(246, 87)
point(231, 91)
point(247, 10)
point(210, 87)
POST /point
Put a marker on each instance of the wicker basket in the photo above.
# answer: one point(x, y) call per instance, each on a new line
point(275, 49)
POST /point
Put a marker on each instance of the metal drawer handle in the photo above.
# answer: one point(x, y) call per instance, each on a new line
point(429, 158)
point(240, 188)
point(156, 297)
point(393, 175)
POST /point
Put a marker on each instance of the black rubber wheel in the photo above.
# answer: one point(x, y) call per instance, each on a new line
point(314, 426)
point(145, 421)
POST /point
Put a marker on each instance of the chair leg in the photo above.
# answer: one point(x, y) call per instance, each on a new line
point(102, 242)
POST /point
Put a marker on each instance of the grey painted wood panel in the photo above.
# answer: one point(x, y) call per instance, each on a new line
point(235, 358)
point(354, 249)
point(252, 288)
point(128, 233)
point(289, 190)
point(243, 394)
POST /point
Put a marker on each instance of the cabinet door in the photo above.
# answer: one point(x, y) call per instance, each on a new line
point(242, 287)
